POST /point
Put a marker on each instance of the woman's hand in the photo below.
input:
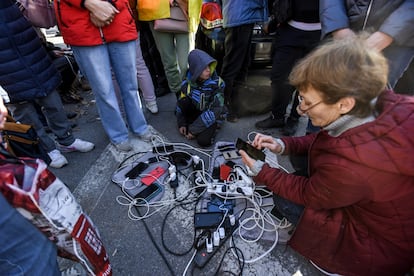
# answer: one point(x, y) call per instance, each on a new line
point(247, 160)
point(262, 141)
point(379, 41)
point(101, 12)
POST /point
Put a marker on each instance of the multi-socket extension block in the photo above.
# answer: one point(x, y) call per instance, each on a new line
point(242, 186)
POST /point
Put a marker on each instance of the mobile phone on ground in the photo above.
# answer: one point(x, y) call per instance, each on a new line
point(149, 192)
point(207, 220)
point(250, 150)
point(153, 176)
point(136, 170)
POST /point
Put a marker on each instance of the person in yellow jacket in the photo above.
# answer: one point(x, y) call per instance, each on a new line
point(173, 47)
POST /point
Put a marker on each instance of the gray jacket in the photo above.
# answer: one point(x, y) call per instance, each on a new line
point(394, 18)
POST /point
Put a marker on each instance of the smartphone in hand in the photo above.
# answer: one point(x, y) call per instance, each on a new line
point(250, 150)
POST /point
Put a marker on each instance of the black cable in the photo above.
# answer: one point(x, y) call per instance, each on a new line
point(129, 157)
point(155, 244)
point(163, 228)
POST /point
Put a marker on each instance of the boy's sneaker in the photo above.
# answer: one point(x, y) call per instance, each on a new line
point(57, 159)
point(123, 146)
point(77, 145)
point(152, 106)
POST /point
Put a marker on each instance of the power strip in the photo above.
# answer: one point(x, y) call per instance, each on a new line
point(237, 188)
point(202, 257)
point(244, 186)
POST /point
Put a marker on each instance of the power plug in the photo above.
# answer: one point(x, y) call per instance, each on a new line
point(209, 245)
point(216, 238)
point(196, 159)
point(172, 169)
point(222, 234)
point(232, 219)
point(173, 180)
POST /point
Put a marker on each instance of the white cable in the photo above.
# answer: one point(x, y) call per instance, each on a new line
point(189, 262)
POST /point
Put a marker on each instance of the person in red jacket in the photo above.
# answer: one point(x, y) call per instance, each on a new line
point(354, 212)
point(102, 35)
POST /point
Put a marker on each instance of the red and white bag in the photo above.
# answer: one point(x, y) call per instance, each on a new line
point(44, 200)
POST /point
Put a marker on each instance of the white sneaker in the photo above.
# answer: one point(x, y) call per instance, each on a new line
point(123, 146)
point(77, 145)
point(58, 160)
point(152, 106)
point(146, 136)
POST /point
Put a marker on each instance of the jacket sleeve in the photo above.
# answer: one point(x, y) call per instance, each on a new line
point(181, 120)
point(298, 145)
point(181, 105)
point(400, 24)
point(330, 186)
point(333, 16)
point(213, 112)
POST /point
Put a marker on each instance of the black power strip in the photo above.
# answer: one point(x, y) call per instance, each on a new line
point(202, 257)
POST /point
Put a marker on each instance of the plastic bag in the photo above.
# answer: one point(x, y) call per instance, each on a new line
point(45, 201)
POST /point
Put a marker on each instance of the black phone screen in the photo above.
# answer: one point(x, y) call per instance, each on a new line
point(250, 150)
point(137, 170)
point(207, 220)
point(148, 192)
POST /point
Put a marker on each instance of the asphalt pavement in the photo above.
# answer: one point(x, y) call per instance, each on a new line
point(149, 246)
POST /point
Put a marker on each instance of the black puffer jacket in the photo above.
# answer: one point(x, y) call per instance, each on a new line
point(394, 18)
point(26, 71)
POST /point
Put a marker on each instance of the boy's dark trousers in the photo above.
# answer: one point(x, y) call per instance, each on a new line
point(191, 113)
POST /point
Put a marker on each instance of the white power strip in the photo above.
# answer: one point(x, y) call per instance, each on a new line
point(238, 188)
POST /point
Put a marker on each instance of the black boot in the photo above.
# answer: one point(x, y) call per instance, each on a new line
point(291, 126)
point(270, 122)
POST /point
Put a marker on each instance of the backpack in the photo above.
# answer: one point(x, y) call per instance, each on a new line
point(22, 140)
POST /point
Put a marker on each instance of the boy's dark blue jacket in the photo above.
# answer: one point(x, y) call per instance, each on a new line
point(206, 97)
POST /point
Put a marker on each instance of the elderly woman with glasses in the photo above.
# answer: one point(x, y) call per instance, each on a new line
point(353, 214)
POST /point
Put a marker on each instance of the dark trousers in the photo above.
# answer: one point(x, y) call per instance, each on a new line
point(236, 61)
point(290, 45)
point(68, 69)
point(191, 113)
point(286, 208)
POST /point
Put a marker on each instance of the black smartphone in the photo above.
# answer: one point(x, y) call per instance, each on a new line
point(136, 170)
point(207, 220)
point(148, 192)
point(250, 150)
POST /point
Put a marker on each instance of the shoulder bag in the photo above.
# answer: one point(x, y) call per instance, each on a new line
point(39, 12)
point(176, 23)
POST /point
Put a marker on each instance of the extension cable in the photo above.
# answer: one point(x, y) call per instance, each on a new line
point(202, 256)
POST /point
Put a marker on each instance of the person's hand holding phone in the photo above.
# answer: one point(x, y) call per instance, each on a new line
point(262, 141)
point(247, 160)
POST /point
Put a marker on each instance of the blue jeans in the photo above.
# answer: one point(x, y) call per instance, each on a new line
point(96, 63)
point(291, 211)
point(399, 58)
point(55, 114)
point(24, 250)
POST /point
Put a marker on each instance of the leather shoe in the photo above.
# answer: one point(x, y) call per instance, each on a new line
point(270, 122)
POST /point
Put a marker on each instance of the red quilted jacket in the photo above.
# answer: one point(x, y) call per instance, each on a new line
point(78, 30)
point(359, 198)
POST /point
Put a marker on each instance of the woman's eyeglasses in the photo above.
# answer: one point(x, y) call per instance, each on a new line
point(301, 100)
